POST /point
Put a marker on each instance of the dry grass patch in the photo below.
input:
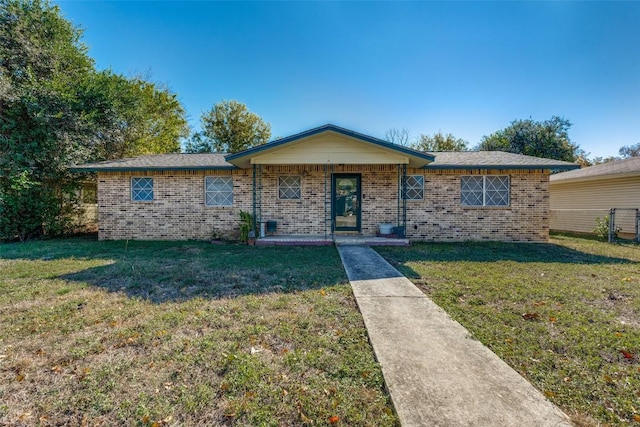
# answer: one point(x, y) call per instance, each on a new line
point(565, 315)
point(110, 333)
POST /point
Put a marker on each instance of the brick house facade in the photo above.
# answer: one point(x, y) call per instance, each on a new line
point(449, 196)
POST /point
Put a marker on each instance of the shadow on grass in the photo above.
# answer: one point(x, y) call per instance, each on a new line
point(497, 251)
point(176, 271)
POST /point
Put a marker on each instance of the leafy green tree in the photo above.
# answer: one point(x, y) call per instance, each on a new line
point(198, 143)
point(42, 127)
point(133, 117)
point(56, 111)
point(229, 127)
point(630, 151)
point(440, 142)
point(548, 139)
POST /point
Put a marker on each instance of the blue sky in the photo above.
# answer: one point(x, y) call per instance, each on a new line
point(463, 68)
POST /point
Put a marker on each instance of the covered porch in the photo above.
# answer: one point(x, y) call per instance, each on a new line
point(330, 185)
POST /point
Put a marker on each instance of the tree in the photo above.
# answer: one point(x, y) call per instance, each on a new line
point(600, 160)
point(548, 139)
point(133, 117)
point(229, 127)
point(56, 111)
point(198, 144)
point(42, 128)
point(630, 151)
point(440, 142)
point(398, 136)
point(583, 160)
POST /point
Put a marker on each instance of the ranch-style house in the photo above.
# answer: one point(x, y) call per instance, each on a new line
point(327, 182)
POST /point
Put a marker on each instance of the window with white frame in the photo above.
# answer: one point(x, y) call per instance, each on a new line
point(289, 187)
point(414, 186)
point(142, 189)
point(486, 190)
point(218, 191)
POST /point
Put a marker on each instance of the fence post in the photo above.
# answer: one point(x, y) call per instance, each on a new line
point(612, 224)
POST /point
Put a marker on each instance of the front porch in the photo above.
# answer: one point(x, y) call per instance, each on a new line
point(328, 181)
point(328, 240)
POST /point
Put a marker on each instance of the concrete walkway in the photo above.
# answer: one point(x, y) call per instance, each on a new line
point(437, 375)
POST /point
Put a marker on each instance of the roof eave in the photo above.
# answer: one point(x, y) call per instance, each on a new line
point(149, 168)
point(512, 167)
point(599, 177)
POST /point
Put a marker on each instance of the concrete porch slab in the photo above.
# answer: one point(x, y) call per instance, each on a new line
point(322, 240)
point(295, 240)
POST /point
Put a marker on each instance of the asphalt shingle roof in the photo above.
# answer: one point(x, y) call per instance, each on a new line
point(493, 160)
point(210, 161)
point(176, 161)
point(617, 167)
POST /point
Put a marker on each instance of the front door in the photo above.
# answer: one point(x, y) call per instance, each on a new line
point(346, 202)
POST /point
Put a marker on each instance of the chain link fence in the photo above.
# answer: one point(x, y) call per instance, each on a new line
point(624, 224)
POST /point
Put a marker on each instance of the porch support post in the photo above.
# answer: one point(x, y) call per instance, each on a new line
point(399, 195)
point(327, 205)
point(257, 197)
point(255, 189)
point(401, 220)
point(404, 200)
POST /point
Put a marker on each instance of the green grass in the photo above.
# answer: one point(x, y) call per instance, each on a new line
point(167, 333)
point(565, 315)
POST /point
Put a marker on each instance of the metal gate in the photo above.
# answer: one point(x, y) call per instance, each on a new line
point(624, 224)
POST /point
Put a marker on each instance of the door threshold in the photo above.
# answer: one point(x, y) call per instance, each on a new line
point(347, 233)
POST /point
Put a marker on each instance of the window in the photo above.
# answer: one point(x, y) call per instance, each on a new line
point(218, 191)
point(289, 187)
point(414, 186)
point(484, 190)
point(142, 189)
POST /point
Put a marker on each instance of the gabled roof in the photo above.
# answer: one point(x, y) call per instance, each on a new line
point(155, 162)
point(216, 161)
point(494, 160)
point(614, 169)
point(245, 158)
point(414, 158)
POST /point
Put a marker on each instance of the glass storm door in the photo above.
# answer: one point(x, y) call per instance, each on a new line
point(346, 202)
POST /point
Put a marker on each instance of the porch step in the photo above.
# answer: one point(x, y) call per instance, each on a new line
point(310, 240)
point(295, 240)
point(370, 241)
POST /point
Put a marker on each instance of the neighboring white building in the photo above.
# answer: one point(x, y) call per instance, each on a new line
point(578, 197)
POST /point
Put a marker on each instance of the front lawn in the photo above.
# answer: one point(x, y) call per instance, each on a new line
point(565, 315)
point(165, 333)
